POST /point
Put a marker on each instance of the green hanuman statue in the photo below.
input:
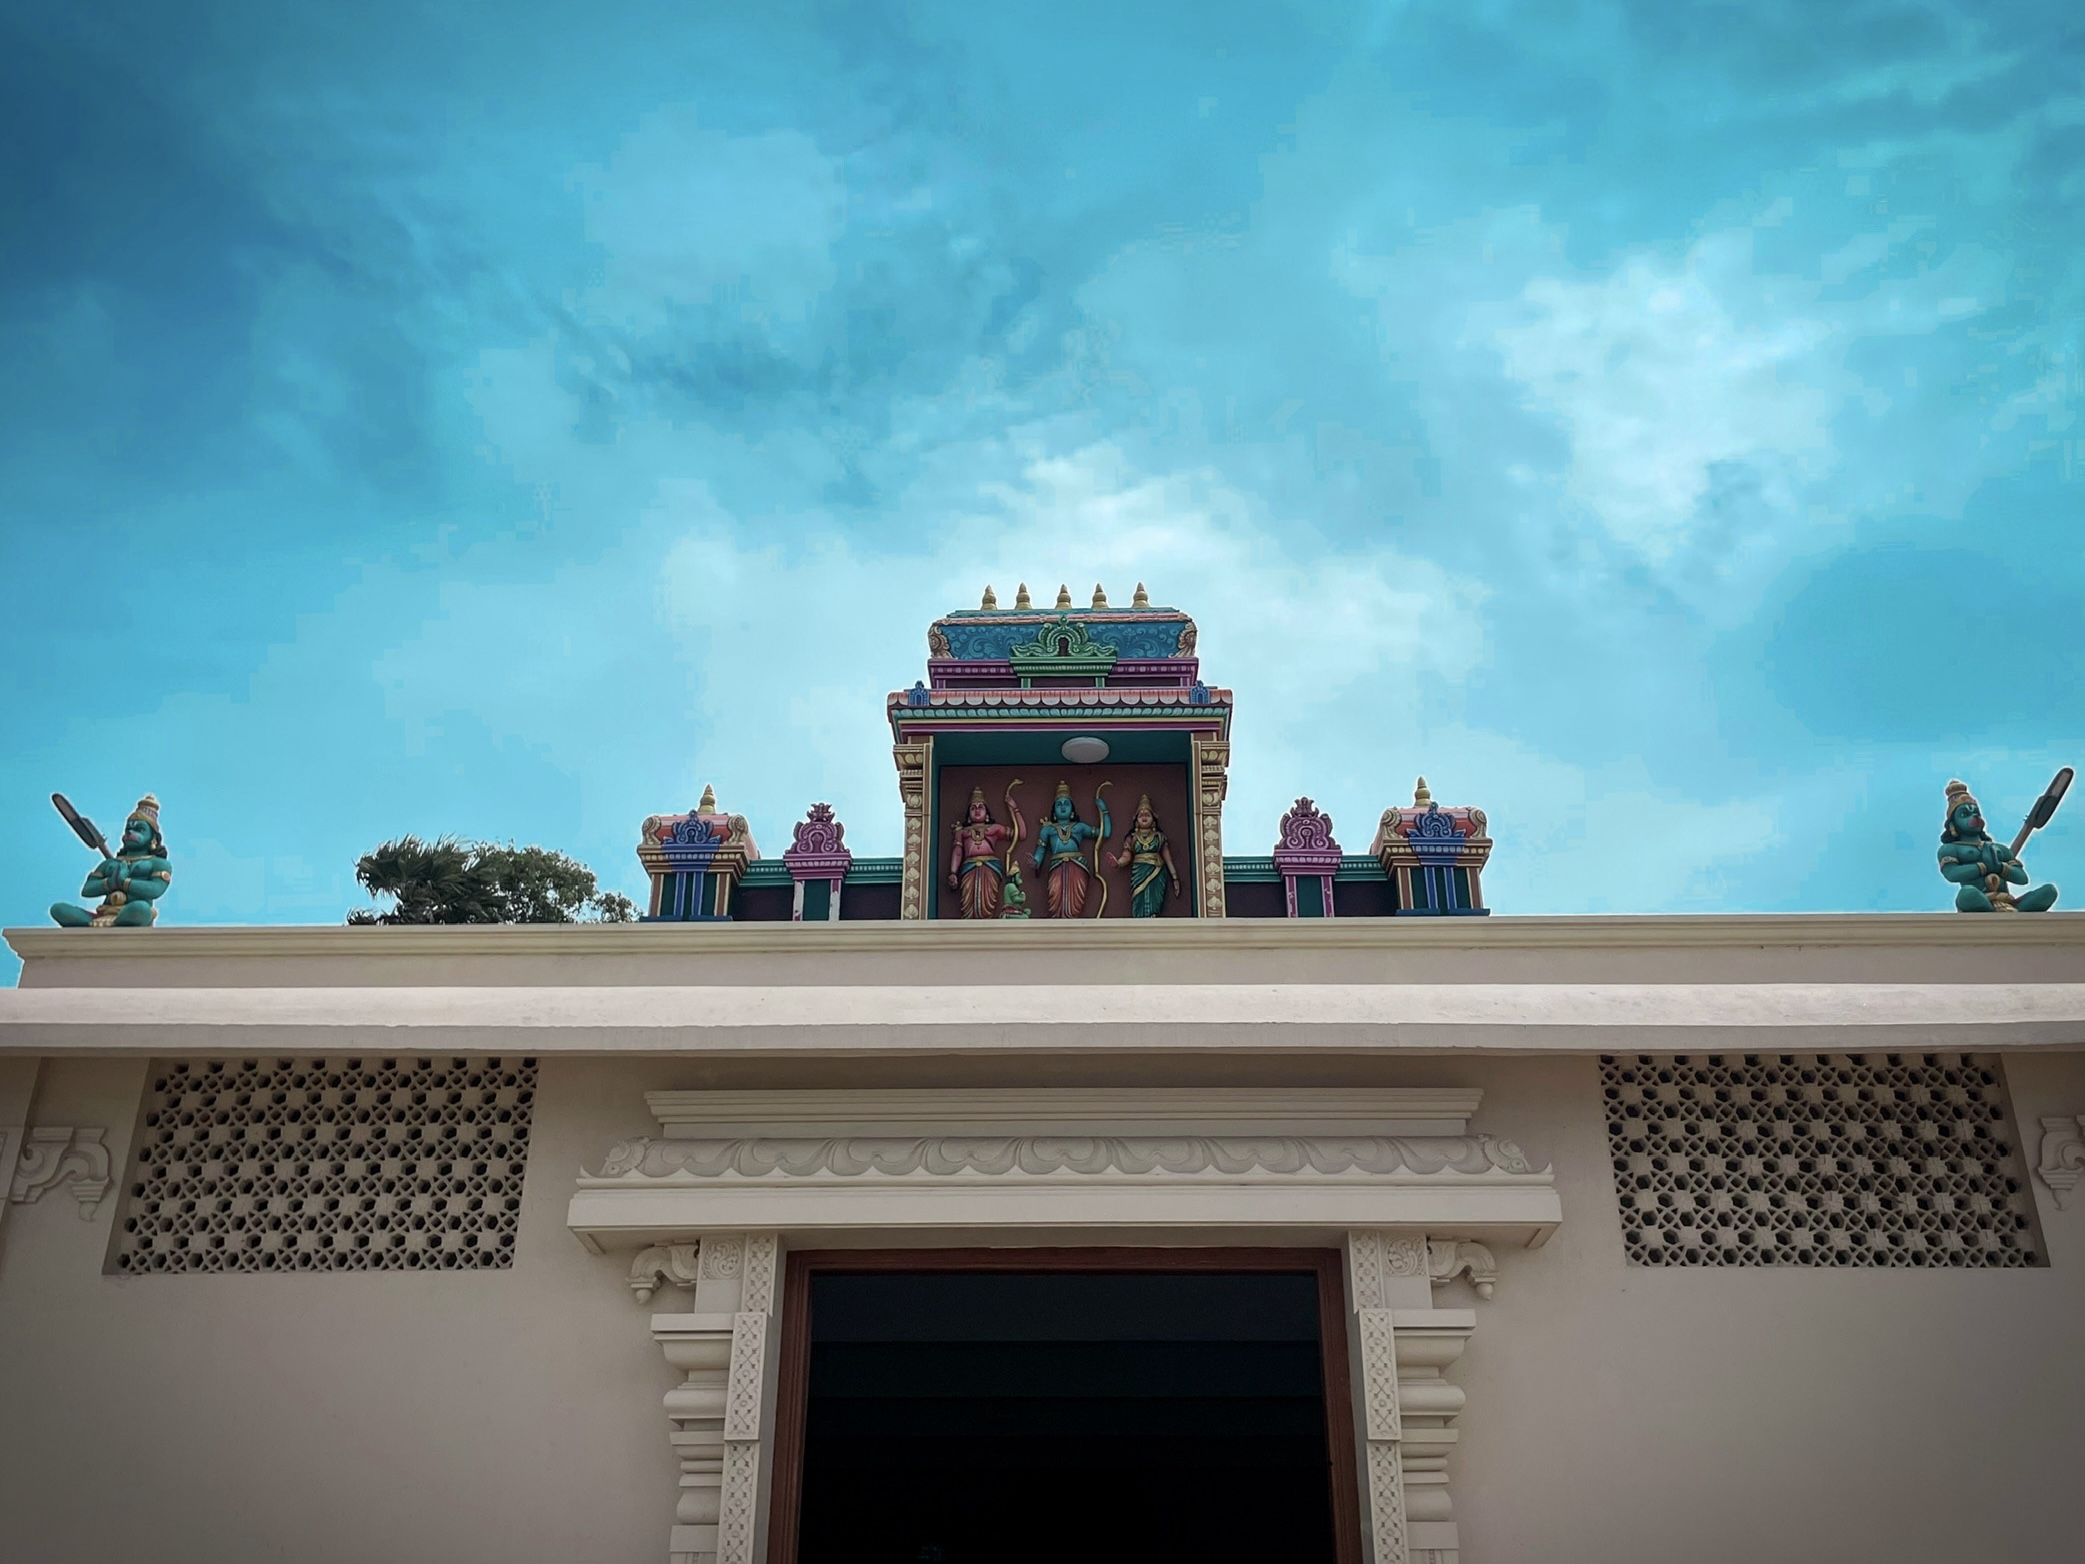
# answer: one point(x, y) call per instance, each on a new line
point(1983, 870)
point(130, 882)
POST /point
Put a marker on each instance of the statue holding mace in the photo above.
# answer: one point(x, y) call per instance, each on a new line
point(1149, 860)
point(1060, 853)
point(981, 855)
point(1985, 871)
point(129, 879)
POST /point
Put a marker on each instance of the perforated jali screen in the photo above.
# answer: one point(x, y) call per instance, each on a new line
point(364, 1164)
point(1817, 1159)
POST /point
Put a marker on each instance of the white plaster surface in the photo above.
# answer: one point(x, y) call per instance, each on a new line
point(878, 1018)
point(1614, 1415)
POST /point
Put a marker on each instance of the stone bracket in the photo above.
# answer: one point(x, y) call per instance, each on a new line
point(51, 1156)
point(2062, 1161)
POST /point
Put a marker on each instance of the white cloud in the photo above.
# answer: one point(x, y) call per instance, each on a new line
point(1661, 372)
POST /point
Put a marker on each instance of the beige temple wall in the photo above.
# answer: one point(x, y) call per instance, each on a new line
point(364, 1418)
point(1616, 1415)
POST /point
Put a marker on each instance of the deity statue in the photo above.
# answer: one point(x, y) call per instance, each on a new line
point(127, 883)
point(1149, 859)
point(977, 866)
point(1981, 867)
point(1060, 853)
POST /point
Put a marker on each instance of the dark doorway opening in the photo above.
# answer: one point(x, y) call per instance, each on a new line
point(1092, 1412)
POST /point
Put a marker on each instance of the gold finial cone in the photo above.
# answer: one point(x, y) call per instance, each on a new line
point(1142, 598)
point(1021, 596)
point(991, 598)
point(1100, 596)
point(1422, 795)
point(1063, 595)
point(708, 806)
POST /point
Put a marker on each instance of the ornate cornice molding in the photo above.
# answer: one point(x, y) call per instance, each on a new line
point(1943, 930)
point(1453, 1156)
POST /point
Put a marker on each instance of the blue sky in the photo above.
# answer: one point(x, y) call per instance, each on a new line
point(1656, 423)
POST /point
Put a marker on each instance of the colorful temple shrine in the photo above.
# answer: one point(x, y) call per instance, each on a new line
point(1317, 1218)
point(1066, 762)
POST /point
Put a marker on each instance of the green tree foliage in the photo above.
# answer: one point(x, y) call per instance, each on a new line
point(451, 881)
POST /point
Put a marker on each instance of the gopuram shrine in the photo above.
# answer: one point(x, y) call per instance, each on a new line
point(1066, 763)
point(1104, 1178)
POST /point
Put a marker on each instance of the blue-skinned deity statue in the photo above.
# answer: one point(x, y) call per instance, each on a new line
point(1983, 871)
point(130, 883)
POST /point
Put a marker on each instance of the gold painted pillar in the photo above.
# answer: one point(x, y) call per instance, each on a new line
point(915, 773)
point(1211, 780)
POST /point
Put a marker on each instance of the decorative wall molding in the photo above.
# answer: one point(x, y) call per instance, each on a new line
point(1429, 1341)
point(1386, 1523)
point(1066, 1110)
point(51, 1156)
point(913, 769)
point(750, 1162)
point(2062, 1161)
point(994, 1156)
point(1404, 1256)
point(716, 1416)
point(1405, 1406)
point(1212, 759)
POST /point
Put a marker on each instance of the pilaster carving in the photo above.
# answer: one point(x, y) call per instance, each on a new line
point(1428, 1342)
point(1365, 1269)
point(1212, 780)
point(763, 1250)
point(716, 1416)
point(51, 1156)
point(913, 769)
point(1405, 1405)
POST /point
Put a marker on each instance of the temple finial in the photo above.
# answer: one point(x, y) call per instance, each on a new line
point(1063, 595)
point(1422, 795)
point(991, 597)
point(708, 806)
point(1142, 598)
point(1100, 596)
point(1021, 596)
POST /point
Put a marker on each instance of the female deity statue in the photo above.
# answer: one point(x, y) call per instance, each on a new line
point(1060, 853)
point(1149, 860)
point(976, 867)
point(129, 883)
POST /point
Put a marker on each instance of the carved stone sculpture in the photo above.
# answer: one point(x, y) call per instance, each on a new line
point(1983, 870)
point(129, 882)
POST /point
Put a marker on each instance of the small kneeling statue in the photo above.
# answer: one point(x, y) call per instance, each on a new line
point(130, 882)
point(1982, 868)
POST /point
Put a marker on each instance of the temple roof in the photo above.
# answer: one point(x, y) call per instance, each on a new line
point(991, 634)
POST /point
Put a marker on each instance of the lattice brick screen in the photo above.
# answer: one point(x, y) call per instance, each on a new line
point(365, 1164)
point(1817, 1159)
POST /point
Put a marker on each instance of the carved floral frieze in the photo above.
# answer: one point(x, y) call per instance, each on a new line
point(1040, 1155)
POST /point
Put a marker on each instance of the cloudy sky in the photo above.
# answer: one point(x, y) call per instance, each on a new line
point(1656, 422)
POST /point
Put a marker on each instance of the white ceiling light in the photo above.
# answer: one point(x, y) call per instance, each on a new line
point(1085, 749)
